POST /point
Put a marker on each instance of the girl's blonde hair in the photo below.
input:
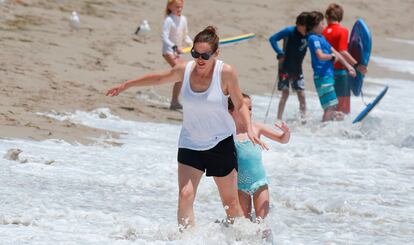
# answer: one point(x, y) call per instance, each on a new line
point(169, 3)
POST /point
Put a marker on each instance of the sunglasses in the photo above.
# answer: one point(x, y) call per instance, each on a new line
point(204, 56)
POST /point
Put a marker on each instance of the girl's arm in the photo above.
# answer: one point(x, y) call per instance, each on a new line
point(166, 33)
point(282, 136)
point(174, 75)
point(229, 78)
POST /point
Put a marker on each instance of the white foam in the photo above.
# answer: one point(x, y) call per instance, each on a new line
point(411, 42)
point(334, 183)
point(405, 66)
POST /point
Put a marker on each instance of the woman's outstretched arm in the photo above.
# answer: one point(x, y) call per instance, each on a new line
point(176, 74)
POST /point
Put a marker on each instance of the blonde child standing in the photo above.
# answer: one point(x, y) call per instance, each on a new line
point(174, 38)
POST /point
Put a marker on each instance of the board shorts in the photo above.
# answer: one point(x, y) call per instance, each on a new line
point(218, 161)
point(297, 82)
point(326, 91)
point(343, 91)
point(342, 85)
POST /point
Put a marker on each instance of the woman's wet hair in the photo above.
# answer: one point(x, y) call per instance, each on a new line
point(208, 35)
point(313, 19)
point(231, 105)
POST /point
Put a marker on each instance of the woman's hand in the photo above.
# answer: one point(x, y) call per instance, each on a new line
point(116, 90)
point(255, 140)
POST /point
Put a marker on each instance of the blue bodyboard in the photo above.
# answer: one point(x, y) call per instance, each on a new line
point(360, 44)
point(370, 106)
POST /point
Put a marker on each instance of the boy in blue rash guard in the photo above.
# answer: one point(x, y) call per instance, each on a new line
point(323, 57)
point(290, 62)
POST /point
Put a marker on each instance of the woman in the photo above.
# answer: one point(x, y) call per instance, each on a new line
point(206, 140)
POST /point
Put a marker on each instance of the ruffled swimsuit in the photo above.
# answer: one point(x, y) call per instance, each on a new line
point(251, 173)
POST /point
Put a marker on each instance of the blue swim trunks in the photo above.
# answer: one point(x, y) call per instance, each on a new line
point(251, 174)
point(326, 91)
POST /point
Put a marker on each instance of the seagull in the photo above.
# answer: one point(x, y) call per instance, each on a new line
point(143, 29)
point(75, 21)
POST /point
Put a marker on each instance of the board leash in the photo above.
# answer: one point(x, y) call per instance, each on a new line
point(362, 97)
point(271, 98)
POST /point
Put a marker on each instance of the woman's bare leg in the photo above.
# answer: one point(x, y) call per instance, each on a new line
point(188, 180)
point(227, 187)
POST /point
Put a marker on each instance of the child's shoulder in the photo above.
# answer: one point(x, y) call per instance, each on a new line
point(342, 27)
point(168, 18)
point(289, 28)
point(314, 36)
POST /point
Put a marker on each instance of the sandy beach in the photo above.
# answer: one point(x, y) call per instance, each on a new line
point(47, 67)
point(78, 167)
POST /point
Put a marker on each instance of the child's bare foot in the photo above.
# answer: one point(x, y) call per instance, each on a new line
point(338, 116)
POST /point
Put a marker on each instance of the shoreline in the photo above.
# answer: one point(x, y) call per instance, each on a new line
point(49, 67)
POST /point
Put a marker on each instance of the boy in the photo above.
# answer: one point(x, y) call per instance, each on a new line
point(290, 62)
point(337, 36)
point(323, 57)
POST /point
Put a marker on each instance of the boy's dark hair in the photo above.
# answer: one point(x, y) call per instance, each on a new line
point(301, 18)
point(334, 12)
point(231, 105)
point(314, 18)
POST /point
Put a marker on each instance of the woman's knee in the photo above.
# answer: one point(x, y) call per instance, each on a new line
point(186, 194)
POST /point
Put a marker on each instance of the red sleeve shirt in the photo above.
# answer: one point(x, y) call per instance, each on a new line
point(337, 36)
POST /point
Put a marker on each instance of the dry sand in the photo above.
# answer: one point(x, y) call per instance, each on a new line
point(45, 66)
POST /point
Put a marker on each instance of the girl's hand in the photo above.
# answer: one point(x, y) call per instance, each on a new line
point(116, 90)
point(179, 50)
point(284, 127)
point(285, 137)
point(255, 140)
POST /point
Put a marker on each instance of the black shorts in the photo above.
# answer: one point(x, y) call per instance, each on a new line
point(297, 82)
point(218, 161)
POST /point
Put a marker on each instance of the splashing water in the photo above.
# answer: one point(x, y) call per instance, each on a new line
point(332, 183)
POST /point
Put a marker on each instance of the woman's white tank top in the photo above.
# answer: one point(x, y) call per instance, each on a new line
point(206, 119)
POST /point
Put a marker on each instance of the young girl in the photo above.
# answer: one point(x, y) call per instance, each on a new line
point(174, 38)
point(252, 181)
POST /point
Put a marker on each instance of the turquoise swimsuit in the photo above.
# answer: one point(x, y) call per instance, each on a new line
point(251, 174)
